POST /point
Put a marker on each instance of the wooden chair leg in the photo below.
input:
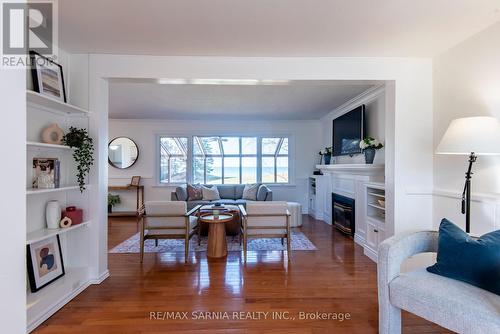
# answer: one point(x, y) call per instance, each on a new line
point(245, 244)
point(156, 242)
point(142, 246)
point(282, 242)
point(288, 237)
point(186, 249)
point(199, 233)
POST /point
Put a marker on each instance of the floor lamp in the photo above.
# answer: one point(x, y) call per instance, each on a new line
point(471, 136)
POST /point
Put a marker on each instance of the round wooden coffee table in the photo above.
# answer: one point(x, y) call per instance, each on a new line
point(217, 246)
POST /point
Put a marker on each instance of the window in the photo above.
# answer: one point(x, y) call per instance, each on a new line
point(224, 159)
point(275, 160)
point(173, 159)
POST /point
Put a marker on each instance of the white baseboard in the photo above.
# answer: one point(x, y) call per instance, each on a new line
point(56, 307)
point(359, 240)
point(371, 254)
point(100, 279)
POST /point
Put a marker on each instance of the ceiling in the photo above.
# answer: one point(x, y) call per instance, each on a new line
point(296, 100)
point(271, 27)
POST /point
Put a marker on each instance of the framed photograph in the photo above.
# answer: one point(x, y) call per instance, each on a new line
point(45, 262)
point(46, 173)
point(47, 77)
point(135, 181)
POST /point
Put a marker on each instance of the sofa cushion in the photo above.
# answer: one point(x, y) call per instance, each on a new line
point(250, 191)
point(461, 257)
point(238, 191)
point(262, 193)
point(226, 191)
point(195, 192)
point(439, 299)
point(182, 194)
point(210, 193)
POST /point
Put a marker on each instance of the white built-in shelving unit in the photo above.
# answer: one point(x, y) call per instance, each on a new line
point(375, 218)
point(75, 240)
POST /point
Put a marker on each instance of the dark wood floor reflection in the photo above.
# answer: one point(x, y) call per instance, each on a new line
point(335, 278)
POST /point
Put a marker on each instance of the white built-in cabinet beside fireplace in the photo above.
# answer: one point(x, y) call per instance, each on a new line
point(354, 181)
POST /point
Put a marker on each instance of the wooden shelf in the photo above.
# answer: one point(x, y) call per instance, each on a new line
point(49, 146)
point(42, 304)
point(51, 104)
point(33, 191)
point(47, 233)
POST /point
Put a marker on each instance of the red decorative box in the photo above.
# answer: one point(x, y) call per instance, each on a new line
point(76, 215)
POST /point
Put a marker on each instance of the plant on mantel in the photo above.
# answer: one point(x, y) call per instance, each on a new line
point(83, 153)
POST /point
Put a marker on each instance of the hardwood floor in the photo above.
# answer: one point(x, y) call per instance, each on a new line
point(335, 278)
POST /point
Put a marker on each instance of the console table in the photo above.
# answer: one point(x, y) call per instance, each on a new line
point(139, 193)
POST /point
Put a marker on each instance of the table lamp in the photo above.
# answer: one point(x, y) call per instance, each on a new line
point(472, 136)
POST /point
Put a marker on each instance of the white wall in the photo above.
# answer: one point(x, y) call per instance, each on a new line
point(305, 140)
point(467, 83)
point(374, 101)
point(13, 202)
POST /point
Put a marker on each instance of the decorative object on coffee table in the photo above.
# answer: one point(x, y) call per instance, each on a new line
point(45, 262)
point(53, 134)
point(369, 145)
point(83, 153)
point(217, 245)
point(48, 78)
point(470, 136)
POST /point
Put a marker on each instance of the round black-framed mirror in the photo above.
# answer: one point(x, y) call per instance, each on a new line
point(123, 152)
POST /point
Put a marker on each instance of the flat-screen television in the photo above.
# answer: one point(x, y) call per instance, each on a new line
point(348, 131)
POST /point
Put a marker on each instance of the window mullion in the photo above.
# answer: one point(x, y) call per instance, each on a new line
point(259, 159)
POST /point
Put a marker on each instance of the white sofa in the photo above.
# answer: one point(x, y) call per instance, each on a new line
point(452, 304)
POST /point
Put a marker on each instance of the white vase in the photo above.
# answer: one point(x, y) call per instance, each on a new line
point(53, 214)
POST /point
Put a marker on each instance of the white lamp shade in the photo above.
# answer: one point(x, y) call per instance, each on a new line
point(480, 135)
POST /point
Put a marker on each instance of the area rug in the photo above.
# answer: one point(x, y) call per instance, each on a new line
point(299, 243)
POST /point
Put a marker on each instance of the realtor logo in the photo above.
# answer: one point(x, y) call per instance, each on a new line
point(27, 26)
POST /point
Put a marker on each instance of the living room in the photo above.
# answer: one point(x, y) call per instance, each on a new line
point(325, 171)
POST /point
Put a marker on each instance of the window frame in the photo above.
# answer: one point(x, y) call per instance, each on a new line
point(191, 156)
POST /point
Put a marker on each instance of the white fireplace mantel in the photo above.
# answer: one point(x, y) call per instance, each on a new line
point(360, 169)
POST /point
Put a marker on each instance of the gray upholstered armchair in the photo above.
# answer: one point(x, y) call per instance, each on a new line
point(455, 305)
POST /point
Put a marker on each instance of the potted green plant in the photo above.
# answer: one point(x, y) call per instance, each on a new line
point(327, 154)
point(83, 153)
point(369, 145)
point(112, 201)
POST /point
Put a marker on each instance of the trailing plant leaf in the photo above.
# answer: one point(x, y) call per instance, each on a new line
point(83, 154)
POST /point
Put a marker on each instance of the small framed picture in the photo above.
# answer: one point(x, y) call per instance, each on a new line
point(45, 262)
point(135, 181)
point(47, 77)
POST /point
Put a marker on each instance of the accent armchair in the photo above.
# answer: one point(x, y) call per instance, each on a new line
point(167, 220)
point(452, 304)
point(265, 220)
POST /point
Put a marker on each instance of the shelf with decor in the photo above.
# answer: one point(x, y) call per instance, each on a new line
point(52, 104)
point(53, 200)
point(35, 191)
point(45, 233)
point(375, 211)
point(40, 145)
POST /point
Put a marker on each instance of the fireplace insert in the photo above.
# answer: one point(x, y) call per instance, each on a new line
point(343, 214)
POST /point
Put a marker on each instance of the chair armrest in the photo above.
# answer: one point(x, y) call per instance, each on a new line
point(393, 251)
point(193, 210)
point(243, 211)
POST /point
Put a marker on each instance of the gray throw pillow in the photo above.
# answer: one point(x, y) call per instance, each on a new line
point(250, 192)
point(210, 194)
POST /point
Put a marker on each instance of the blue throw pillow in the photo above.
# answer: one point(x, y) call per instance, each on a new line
point(475, 261)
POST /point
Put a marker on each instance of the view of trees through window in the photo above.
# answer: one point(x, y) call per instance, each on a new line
point(224, 160)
